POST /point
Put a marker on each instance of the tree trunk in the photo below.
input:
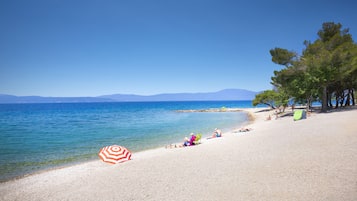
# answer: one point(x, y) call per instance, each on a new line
point(324, 99)
point(337, 100)
point(348, 100)
point(329, 99)
point(353, 97)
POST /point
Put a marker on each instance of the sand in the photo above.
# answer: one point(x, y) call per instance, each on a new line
point(311, 159)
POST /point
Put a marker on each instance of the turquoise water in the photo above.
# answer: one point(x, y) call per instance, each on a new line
point(35, 137)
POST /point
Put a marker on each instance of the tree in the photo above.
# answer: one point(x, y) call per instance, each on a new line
point(267, 97)
point(282, 56)
point(326, 68)
point(328, 57)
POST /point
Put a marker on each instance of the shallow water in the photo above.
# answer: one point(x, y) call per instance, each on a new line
point(34, 137)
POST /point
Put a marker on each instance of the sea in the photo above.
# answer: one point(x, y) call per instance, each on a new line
point(38, 137)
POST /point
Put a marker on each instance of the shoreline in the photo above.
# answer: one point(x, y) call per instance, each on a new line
point(302, 160)
point(251, 116)
point(141, 152)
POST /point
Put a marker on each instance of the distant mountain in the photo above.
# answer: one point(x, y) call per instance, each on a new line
point(39, 99)
point(227, 94)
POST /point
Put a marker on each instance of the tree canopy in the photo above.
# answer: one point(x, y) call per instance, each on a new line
point(267, 97)
point(326, 70)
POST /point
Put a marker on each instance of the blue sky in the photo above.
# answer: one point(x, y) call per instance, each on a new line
point(71, 48)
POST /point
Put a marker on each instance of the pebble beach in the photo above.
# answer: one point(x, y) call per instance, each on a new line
point(279, 159)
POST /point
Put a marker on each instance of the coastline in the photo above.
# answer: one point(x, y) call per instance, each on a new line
point(276, 160)
point(138, 152)
point(74, 133)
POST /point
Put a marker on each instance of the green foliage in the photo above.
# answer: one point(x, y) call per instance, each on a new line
point(282, 56)
point(327, 67)
point(267, 97)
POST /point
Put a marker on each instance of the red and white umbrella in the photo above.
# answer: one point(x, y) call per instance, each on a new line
point(114, 154)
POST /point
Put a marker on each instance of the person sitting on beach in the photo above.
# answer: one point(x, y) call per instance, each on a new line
point(217, 133)
point(276, 114)
point(268, 118)
point(187, 142)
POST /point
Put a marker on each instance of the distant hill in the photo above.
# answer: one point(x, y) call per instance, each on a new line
point(227, 94)
point(39, 99)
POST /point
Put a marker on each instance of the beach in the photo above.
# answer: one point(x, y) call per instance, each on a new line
point(280, 159)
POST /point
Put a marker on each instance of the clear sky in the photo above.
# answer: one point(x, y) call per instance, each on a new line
point(71, 48)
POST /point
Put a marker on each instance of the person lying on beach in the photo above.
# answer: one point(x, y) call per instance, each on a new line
point(244, 129)
point(187, 142)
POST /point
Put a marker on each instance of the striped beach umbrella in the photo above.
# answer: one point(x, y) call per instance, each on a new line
point(114, 154)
